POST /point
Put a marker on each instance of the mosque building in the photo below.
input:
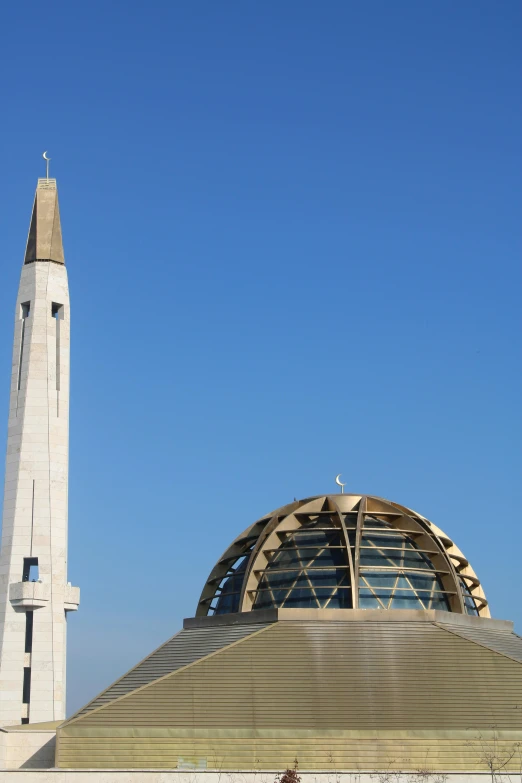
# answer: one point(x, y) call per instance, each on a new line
point(344, 632)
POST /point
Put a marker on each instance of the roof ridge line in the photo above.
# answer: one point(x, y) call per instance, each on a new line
point(76, 714)
point(170, 674)
point(480, 644)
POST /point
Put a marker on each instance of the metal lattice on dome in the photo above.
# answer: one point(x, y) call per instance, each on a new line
point(343, 552)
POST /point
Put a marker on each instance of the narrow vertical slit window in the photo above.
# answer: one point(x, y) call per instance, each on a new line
point(26, 696)
point(29, 619)
point(57, 314)
point(25, 309)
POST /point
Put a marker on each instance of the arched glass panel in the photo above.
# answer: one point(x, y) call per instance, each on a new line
point(228, 591)
point(469, 602)
point(308, 570)
point(395, 573)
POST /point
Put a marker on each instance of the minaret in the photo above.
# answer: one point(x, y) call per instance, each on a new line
point(34, 593)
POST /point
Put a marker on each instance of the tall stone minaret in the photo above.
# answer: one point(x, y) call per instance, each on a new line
point(34, 593)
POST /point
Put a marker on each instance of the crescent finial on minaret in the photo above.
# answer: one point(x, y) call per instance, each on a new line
point(44, 156)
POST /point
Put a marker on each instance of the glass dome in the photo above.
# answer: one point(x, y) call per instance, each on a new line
point(342, 552)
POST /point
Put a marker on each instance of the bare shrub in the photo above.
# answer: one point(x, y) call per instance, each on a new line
point(290, 776)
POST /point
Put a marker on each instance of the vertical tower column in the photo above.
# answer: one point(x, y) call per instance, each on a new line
point(34, 593)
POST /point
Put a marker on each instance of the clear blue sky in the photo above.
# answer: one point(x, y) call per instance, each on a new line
point(292, 234)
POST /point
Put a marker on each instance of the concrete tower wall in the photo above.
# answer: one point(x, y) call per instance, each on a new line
point(34, 595)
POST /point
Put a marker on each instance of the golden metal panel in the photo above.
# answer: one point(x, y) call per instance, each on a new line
point(341, 752)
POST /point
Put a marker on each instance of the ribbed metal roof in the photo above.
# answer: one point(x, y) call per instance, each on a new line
point(353, 675)
point(503, 642)
point(357, 693)
point(184, 648)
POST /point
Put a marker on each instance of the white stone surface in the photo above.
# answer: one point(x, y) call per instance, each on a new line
point(26, 750)
point(34, 520)
point(31, 595)
point(235, 776)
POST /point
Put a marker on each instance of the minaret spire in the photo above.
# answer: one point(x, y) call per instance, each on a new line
point(34, 592)
point(44, 242)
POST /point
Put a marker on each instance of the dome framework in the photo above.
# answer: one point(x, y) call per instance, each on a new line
point(343, 552)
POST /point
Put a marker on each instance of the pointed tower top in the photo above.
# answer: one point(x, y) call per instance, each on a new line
point(44, 242)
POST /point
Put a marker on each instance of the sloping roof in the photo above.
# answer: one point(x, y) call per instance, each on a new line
point(503, 642)
point(327, 675)
point(181, 650)
point(339, 694)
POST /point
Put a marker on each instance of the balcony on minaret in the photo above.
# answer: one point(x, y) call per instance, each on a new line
point(26, 596)
point(71, 598)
